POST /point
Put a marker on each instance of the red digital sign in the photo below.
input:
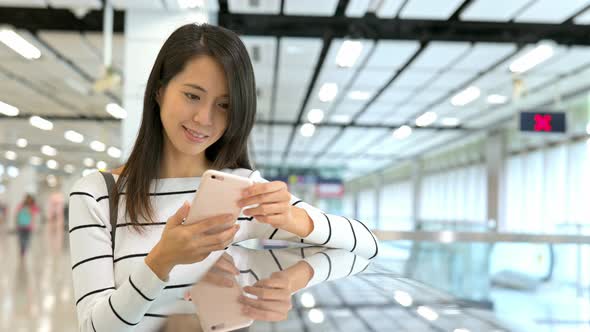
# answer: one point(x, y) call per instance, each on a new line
point(548, 122)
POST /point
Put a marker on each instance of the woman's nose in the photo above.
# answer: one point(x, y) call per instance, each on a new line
point(203, 116)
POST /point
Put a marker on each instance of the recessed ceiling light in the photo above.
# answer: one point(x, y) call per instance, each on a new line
point(52, 164)
point(426, 119)
point(496, 99)
point(22, 143)
point(328, 92)
point(532, 58)
point(116, 111)
point(101, 165)
point(19, 44)
point(315, 115)
point(402, 132)
point(74, 136)
point(88, 162)
point(307, 130)
point(466, 96)
point(10, 155)
point(8, 109)
point(97, 146)
point(48, 150)
point(39, 122)
point(349, 53)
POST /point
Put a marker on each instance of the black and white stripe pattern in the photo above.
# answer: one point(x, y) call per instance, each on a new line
point(114, 291)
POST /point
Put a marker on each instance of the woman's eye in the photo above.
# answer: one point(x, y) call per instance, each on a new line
point(224, 105)
point(192, 96)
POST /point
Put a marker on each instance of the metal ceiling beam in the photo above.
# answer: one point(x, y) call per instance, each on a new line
point(35, 19)
point(405, 29)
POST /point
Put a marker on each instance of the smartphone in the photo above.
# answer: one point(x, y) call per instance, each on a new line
point(218, 307)
point(218, 194)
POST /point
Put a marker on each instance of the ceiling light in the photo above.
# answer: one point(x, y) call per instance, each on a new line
point(35, 161)
point(316, 316)
point(88, 162)
point(87, 171)
point(19, 44)
point(12, 171)
point(39, 122)
point(10, 155)
point(427, 313)
point(116, 111)
point(450, 122)
point(69, 168)
point(74, 136)
point(349, 53)
point(532, 58)
point(52, 164)
point(466, 96)
point(48, 150)
point(426, 119)
point(315, 115)
point(97, 146)
point(22, 143)
point(307, 130)
point(341, 118)
point(114, 152)
point(8, 109)
point(403, 298)
point(496, 99)
point(328, 92)
point(359, 95)
point(101, 165)
point(51, 180)
point(190, 4)
point(402, 132)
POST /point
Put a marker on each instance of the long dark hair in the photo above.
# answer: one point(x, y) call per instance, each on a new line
point(230, 151)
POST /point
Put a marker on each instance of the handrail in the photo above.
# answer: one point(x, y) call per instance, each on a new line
point(489, 237)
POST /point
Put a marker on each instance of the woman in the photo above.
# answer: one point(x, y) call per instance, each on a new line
point(199, 108)
point(26, 216)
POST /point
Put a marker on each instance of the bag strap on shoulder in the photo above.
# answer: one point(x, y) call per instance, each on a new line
point(113, 209)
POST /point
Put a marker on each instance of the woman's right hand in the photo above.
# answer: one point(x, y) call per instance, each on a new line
point(187, 244)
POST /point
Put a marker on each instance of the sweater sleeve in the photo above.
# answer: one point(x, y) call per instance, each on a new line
point(327, 264)
point(329, 230)
point(101, 304)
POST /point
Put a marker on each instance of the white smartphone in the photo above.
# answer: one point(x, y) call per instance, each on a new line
point(218, 307)
point(218, 194)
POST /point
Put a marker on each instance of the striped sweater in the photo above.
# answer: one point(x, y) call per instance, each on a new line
point(117, 291)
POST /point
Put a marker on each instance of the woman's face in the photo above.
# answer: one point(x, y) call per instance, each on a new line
point(194, 106)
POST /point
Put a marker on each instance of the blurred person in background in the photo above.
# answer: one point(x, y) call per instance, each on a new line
point(26, 217)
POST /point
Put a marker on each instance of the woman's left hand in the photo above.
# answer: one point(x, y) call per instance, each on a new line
point(274, 203)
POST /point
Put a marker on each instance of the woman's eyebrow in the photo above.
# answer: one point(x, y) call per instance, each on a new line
point(198, 87)
point(195, 86)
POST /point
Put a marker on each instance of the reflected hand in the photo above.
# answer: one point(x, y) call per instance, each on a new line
point(273, 298)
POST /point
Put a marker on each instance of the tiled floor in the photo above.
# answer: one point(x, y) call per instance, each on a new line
point(36, 293)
